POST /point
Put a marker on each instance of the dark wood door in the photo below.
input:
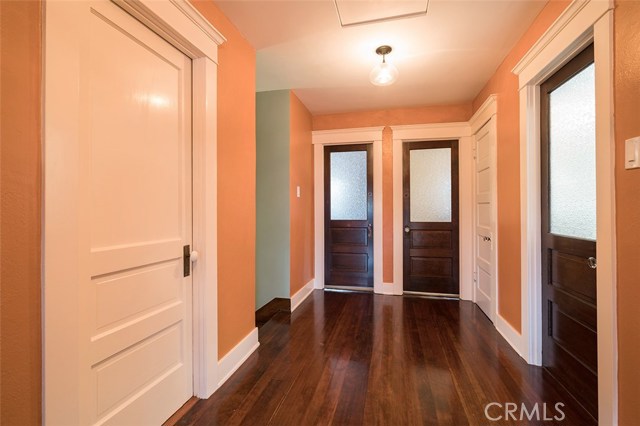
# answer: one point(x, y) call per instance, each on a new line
point(569, 310)
point(430, 186)
point(348, 189)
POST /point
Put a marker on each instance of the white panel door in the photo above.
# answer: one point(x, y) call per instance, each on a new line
point(132, 205)
point(485, 220)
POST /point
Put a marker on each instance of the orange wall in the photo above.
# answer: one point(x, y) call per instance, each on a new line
point(505, 84)
point(300, 209)
point(20, 177)
point(391, 117)
point(236, 181)
point(627, 125)
point(20, 212)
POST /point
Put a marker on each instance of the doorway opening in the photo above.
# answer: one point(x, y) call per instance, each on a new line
point(348, 188)
point(431, 256)
point(568, 213)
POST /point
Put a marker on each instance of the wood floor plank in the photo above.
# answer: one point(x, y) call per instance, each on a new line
point(364, 359)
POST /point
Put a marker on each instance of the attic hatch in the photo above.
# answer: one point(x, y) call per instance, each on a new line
point(359, 12)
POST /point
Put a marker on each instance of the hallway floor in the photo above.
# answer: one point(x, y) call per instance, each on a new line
point(363, 359)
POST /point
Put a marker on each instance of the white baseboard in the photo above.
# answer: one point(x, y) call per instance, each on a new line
point(511, 335)
point(237, 356)
point(388, 288)
point(302, 294)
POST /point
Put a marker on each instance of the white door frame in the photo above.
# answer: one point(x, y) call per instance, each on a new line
point(178, 22)
point(364, 135)
point(433, 132)
point(583, 22)
point(488, 111)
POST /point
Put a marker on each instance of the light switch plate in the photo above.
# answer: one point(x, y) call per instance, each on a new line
point(632, 153)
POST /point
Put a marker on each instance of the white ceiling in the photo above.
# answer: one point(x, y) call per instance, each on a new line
point(444, 57)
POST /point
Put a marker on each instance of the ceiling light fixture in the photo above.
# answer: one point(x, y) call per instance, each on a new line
point(385, 73)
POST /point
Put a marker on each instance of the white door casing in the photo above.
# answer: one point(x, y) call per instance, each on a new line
point(363, 135)
point(484, 271)
point(460, 131)
point(117, 211)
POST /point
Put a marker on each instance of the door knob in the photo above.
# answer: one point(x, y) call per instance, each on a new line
point(194, 256)
point(593, 263)
point(407, 229)
point(370, 230)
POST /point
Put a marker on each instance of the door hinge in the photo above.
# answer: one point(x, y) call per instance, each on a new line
point(186, 259)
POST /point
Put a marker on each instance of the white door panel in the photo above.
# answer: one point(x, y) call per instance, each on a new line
point(485, 220)
point(125, 296)
point(133, 203)
point(126, 256)
point(134, 112)
point(117, 381)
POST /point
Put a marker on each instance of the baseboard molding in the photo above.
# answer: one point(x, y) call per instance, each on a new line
point(265, 313)
point(237, 356)
point(302, 294)
point(388, 289)
point(511, 335)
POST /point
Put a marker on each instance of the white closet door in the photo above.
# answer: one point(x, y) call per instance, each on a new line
point(127, 173)
point(485, 220)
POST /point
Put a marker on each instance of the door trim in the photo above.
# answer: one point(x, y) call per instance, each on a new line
point(580, 24)
point(181, 25)
point(436, 132)
point(363, 135)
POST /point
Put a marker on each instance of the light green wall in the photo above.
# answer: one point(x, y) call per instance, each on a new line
point(272, 196)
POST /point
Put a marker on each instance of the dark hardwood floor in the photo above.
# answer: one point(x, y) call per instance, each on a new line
point(364, 359)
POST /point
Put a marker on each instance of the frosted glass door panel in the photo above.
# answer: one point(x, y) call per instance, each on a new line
point(572, 177)
point(430, 185)
point(349, 185)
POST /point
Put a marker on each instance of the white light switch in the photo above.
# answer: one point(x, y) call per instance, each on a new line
point(298, 191)
point(632, 153)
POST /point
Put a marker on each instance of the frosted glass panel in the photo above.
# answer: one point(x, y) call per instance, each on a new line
point(348, 185)
point(572, 159)
point(430, 185)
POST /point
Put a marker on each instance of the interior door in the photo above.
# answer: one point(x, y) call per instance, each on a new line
point(133, 156)
point(568, 177)
point(431, 245)
point(485, 219)
point(348, 190)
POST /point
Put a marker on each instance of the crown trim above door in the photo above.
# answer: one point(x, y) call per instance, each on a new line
point(178, 22)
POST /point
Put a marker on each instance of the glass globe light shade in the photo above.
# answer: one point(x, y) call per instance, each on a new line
point(383, 74)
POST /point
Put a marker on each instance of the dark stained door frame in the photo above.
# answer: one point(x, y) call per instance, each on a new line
point(569, 310)
point(348, 243)
point(431, 253)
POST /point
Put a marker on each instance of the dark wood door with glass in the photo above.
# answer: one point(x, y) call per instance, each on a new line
point(568, 183)
point(430, 192)
point(348, 189)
